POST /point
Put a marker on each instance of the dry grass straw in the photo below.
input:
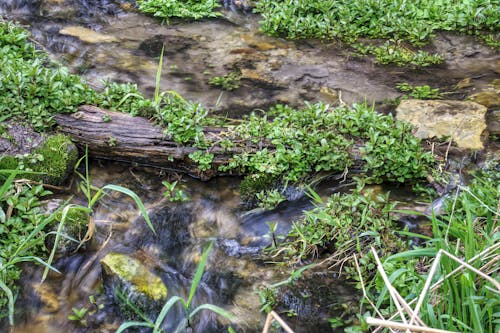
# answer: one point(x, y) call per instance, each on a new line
point(411, 322)
point(273, 316)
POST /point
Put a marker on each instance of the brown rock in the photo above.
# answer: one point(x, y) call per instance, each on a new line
point(463, 121)
point(487, 98)
point(87, 35)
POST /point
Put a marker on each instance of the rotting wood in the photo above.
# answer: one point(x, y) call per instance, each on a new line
point(121, 137)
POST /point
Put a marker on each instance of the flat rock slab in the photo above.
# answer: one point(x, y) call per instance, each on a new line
point(464, 122)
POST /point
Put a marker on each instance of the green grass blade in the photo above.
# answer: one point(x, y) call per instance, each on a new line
point(413, 234)
point(427, 252)
point(56, 241)
point(164, 311)
point(214, 308)
point(6, 185)
point(129, 324)
point(158, 77)
point(137, 201)
point(198, 274)
point(33, 259)
point(10, 298)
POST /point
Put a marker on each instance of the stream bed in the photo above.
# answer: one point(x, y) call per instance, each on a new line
point(109, 40)
point(234, 272)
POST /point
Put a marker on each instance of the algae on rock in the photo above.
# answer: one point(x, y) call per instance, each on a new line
point(130, 274)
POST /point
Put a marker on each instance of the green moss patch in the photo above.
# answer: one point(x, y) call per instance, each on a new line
point(53, 160)
point(131, 272)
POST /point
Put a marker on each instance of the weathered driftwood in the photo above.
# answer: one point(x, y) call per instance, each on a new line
point(122, 137)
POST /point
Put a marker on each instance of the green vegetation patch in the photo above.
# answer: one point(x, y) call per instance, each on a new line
point(29, 89)
point(227, 82)
point(21, 236)
point(320, 138)
point(414, 22)
point(467, 229)
point(344, 225)
point(190, 9)
point(52, 162)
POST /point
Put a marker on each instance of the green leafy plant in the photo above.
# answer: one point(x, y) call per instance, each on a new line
point(458, 298)
point(203, 159)
point(31, 91)
point(173, 193)
point(402, 22)
point(123, 97)
point(78, 315)
point(227, 82)
point(22, 235)
point(318, 138)
point(186, 303)
point(419, 92)
point(190, 9)
point(270, 199)
point(343, 226)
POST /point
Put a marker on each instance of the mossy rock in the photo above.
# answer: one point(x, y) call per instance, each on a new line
point(129, 276)
point(55, 158)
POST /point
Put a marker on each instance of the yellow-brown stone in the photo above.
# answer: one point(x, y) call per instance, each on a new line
point(462, 121)
point(87, 35)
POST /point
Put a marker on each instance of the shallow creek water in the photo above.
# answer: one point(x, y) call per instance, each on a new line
point(125, 48)
point(233, 275)
point(108, 39)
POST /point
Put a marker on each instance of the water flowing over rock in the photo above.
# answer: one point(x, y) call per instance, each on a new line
point(132, 275)
point(464, 122)
point(87, 35)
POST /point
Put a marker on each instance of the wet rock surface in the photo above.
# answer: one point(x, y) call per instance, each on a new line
point(18, 139)
point(132, 278)
point(273, 70)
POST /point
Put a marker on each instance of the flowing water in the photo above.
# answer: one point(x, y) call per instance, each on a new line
point(109, 40)
point(233, 276)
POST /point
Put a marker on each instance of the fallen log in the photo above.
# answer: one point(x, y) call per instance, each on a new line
point(121, 137)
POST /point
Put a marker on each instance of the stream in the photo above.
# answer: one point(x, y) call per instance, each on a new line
point(109, 40)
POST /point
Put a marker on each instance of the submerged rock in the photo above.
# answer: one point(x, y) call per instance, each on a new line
point(87, 35)
point(487, 98)
point(464, 122)
point(131, 275)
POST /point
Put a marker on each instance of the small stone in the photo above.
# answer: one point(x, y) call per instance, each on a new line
point(493, 121)
point(329, 95)
point(263, 46)
point(465, 83)
point(463, 121)
point(256, 77)
point(87, 35)
point(487, 98)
